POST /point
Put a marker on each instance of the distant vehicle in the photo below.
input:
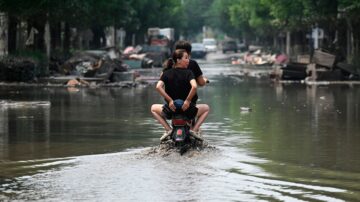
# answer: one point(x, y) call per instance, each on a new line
point(241, 46)
point(161, 36)
point(229, 45)
point(168, 32)
point(198, 50)
point(210, 44)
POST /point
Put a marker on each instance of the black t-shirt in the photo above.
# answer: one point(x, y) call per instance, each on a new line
point(177, 83)
point(194, 67)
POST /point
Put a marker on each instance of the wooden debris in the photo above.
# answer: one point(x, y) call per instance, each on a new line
point(323, 59)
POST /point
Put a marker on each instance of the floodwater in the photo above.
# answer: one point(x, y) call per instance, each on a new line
point(297, 143)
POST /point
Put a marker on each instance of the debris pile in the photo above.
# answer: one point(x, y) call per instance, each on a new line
point(258, 57)
point(98, 64)
point(322, 66)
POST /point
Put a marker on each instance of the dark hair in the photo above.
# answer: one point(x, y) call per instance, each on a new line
point(168, 64)
point(182, 44)
point(177, 54)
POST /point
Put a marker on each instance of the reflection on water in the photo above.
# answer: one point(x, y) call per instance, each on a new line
point(298, 143)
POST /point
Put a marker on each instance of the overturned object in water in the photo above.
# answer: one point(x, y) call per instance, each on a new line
point(21, 104)
point(245, 109)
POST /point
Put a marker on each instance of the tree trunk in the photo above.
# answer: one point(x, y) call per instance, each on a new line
point(21, 35)
point(3, 34)
point(133, 40)
point(47, 39)
point(39, 36)
point(288, 42)
point(275, 41)
point(122, 34)
point(349, 42)
point(12, 32)
point(55, 36)
point(67, 38)
point(99, 37)
point(110, 36)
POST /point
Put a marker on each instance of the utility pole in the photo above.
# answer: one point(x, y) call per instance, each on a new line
point(47, 39)
point(3, 34)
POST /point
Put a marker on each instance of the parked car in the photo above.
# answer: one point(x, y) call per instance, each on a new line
point(229, 45)
point(210, 44)
point(241, 47)
point(198, 50)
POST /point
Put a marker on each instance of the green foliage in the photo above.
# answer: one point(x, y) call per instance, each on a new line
point(196, 13)
point(321, 12)
point(38, 57)
point(251, 16)
point(285, 14)
point(159, 13)
point(219, 16)
point(237, 18)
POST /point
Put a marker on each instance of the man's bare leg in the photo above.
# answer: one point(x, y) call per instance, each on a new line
point(156, 110)
point(203, 112)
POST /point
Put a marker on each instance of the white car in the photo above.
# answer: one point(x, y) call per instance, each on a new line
point(210, 44)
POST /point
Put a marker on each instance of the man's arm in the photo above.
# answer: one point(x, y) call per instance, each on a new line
point(195, 68)
point(201, 80)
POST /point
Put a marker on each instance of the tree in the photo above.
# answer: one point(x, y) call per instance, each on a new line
point(196, 13)
point(154, 13)
point(251, 18)
point(218, 17)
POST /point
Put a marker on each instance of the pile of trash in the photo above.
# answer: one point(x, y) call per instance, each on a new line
point(106, 65)
point(95, 64)
point(257, 57)
point(146, 56)
point(321, 66)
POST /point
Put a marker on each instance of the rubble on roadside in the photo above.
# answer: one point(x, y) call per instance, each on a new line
point(257, 57)
point(105, 67)
point(319, 67)
point(322, 66)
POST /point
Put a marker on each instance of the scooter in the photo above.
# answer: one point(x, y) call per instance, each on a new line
point(181, 135)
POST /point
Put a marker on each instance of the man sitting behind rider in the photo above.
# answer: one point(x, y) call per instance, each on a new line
point(193, 65)
point(179, 84)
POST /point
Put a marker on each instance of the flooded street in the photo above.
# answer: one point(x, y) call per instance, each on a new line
point(297, 143)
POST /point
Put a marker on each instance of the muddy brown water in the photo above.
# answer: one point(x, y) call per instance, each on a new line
point(297, 143)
